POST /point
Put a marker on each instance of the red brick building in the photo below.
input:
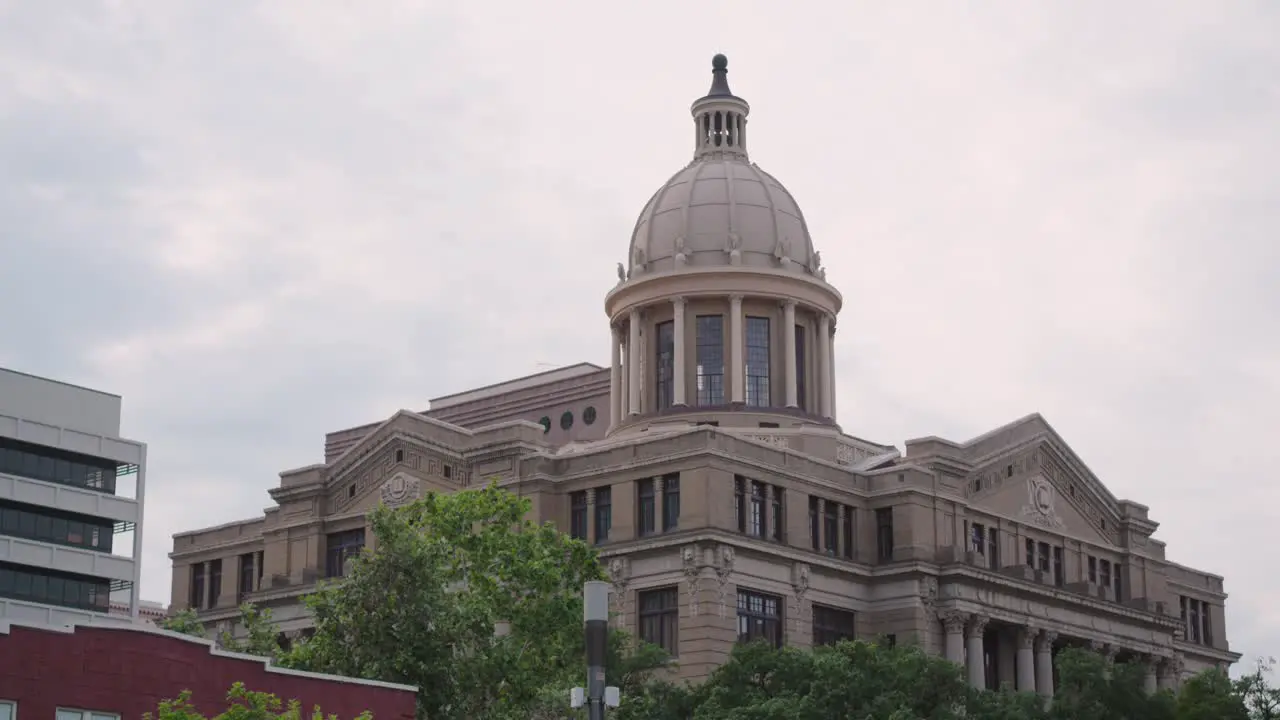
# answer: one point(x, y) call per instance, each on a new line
point(119, 673)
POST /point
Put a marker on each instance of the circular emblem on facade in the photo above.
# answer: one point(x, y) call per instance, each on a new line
point(1043, 498)
point(399, 489)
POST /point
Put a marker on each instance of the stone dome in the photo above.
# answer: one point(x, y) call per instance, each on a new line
point(721, 210)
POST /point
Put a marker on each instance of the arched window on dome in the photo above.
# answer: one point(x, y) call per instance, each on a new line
point(757, 361)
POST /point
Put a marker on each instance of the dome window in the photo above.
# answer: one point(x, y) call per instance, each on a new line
point(566, 420)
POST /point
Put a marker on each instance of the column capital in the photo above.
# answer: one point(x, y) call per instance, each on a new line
point(1027, 638)
point(953, 620)
point(1097, 646)
point(591, 496)
point(788, 304)
point(736, 297)
point(978, 625)
point(679, 301)
point(1044, 642)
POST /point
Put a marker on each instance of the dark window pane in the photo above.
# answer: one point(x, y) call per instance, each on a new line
point(709, 356)
point(757, 362)
point(664, 351)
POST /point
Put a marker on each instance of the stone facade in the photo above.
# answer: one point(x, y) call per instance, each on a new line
point(707, 466)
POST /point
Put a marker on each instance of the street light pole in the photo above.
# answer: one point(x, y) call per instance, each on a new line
point(595, 612)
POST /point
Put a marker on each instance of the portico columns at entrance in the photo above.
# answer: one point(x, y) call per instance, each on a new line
point(1149, 676)
point(953, 622)
point(677, 377)
point(1026, 676)
point(789, 350)
point(1044, 662)
point(977, 659)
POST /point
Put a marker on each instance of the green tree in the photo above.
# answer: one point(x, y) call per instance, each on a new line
point(1260, 698)
point(261, 632)
point(851, 679)
point(1210, 695)
point(422, 607)
point(184, 621)
point(243, 705)
point(1092, 688)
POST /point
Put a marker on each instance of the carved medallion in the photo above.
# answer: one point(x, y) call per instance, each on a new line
point(1039, 508)
point(400, 489)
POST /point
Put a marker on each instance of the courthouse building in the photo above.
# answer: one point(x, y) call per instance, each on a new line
point(707, 466)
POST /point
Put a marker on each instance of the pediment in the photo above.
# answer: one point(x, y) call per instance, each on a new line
point(1042, 483)
point(392, 454)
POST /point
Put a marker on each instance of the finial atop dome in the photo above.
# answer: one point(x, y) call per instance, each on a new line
point(720, 117)
point(719, 76)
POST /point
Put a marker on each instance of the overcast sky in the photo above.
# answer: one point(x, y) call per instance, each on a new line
point(260, 221)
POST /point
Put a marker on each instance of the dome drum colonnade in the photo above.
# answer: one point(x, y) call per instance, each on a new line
point(720, 261)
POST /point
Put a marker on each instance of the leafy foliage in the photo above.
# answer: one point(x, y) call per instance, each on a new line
point(184, 621)
point(261, 633)
point(422, 608)
point(244, 705)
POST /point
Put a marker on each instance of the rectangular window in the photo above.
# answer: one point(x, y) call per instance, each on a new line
point(244, 585)
point(759, 617)
point(578, 515)
point(1031, 553)
point(69, 714)
point(215, 582)
point(831, 625)
point(884, 534)
point(1059, 568)
point(671, 502)
point(831, 527)
point(847, 543)
point(993, 548)
point(664, 367)
point(1104, 573)
point(50, 587)
point(740, 502)
point(1043, 549)
point(777, 514)
point(660, 618)
point(260, 568)
point(1206, 636)
point(1193, 623)
point(646, 507)
point(757, 361)
point(604, 513)
point(800, 373)
point(756, 520)
point(196, 597)
point(978, 538)
point(59, 467)
point(1115, 581)
point(341, 547)
point(8, 710)
point(815, 530)
point(53, 526)
point(1093, 570)
point(709, 356)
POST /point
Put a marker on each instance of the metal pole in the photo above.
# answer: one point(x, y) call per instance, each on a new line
point(595, 611)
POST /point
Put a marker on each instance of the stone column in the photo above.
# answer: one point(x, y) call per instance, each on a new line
point(1169, 673)
point(591, 516)
point(678, 374)
point(789, 350)
point(625, 401)
point(1044, 663)
point(831, 368)
point(1026, 660)
point(633, 363)
point(615, 379)
point(824, 365)
point(977, 658)
point(659, 517)
point(953, 623)
point(1149, 683)
point(737, 369)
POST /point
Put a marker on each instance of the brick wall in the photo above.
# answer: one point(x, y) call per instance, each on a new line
point(128, 671)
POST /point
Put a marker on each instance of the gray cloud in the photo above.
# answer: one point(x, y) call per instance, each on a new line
point(262, 223)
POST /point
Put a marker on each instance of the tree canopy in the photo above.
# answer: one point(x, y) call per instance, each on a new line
point(243, 704)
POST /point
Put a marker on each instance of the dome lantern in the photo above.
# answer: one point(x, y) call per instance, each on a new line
point(720, 117)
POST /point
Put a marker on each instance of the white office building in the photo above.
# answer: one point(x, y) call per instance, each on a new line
point(71, 500)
